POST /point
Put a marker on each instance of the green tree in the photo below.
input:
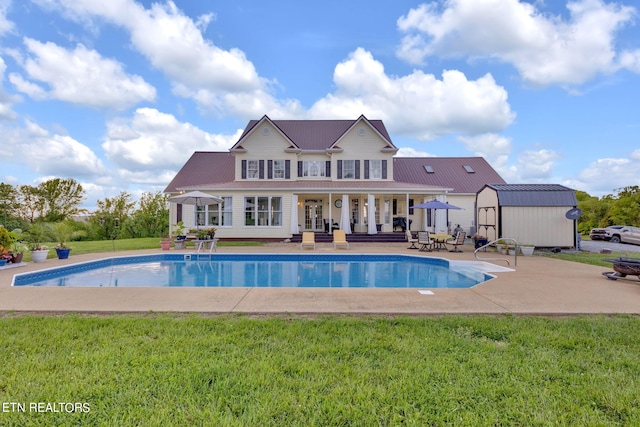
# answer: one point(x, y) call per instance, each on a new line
point(151, 219)
point(53, 200)
point(61, 199)
point(8, 204)
point(111, 214)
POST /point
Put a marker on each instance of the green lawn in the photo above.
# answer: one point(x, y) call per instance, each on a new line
point(124, 245)
point(189, 370)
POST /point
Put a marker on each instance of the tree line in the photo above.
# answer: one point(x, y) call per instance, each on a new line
point(620, 208)
point(59, 200)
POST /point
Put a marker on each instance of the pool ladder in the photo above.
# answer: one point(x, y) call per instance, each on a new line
point(515, 261)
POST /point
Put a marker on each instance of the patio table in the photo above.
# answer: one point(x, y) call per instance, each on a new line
point(439, 241)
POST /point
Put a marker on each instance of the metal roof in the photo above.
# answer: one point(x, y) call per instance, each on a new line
point(211, 170)
point(534, 195)
point(447, 172)
point(316, 134)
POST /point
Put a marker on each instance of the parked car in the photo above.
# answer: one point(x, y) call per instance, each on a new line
point(617, 234)
point(604, 233)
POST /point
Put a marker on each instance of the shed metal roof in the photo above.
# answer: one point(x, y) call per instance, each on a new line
point(534, 195)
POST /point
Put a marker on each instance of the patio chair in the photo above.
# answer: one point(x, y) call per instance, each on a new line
point(308, 239)
point(411, 240)
point(340, 239)
point(425, 240)
point(457, 241)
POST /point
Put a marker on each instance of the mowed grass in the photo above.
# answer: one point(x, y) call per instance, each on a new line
point(183, 370)
point(95, 246)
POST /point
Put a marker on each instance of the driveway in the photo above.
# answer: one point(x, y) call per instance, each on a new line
point(598, 245)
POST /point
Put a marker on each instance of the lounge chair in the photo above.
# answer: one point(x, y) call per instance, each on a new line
point(457, 241)
point(308, 239)
point(411, 240)
point(425, 240)
point(340, 239)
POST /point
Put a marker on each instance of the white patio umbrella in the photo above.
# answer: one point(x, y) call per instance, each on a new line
point(371, 215)
point(196, 198)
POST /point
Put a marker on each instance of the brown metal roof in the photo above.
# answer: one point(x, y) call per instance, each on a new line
point(315, 185)
point(316, 134)
point(204, 167)
point(211, 170)
point(447, 172)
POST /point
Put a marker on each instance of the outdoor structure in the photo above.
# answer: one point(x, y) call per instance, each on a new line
point(533, 214)
point(283, 177)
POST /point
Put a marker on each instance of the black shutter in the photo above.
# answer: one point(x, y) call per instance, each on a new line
point(244, 169)
point(366, 169)
point(357, 169)
point(178, 212)
point(384, 169)
point(261, 169)
point(270, 169)
point(287, 169)
point(327, 171)
point(339, 169)
point(299, 168)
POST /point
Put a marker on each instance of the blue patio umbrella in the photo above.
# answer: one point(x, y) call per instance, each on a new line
point(434, 204)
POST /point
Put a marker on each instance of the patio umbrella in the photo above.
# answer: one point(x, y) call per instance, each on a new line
point(435, 204)
point(345, 224)
point(197, 198)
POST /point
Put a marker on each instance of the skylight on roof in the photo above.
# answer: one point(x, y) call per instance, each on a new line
point(429, 168)
point(469, 169)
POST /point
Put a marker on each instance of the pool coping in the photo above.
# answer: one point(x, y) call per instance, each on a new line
point(537, 286)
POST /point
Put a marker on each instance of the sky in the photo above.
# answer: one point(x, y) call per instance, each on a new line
point(118, 94)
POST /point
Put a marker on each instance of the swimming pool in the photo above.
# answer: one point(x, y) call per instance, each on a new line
point(259, 270)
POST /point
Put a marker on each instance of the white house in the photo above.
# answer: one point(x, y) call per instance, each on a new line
point(287, 176)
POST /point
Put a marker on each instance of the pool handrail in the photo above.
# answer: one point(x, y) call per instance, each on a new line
point(515, 261)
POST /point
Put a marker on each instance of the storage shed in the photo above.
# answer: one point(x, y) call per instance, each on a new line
point(533, 214)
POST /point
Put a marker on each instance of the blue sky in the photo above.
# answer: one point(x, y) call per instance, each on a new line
point(119, 94)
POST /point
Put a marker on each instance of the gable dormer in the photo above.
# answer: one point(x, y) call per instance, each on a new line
point(364, 151)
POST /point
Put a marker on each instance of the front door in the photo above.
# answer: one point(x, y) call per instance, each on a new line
point(313, 215)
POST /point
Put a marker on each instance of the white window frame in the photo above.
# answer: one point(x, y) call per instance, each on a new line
point(278, 169)
point(253, 169)
point(348, 169)
point(263, 210)
point(222, 211)
point(314, 169)
point(375, 169)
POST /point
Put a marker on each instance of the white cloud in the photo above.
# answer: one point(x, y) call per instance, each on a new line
point(417, 105)
point(544, 49)
point(217, 79)
point(494, 148)
point(412, 152)
point(151, 146)
point(6, 26)
point(57, 155)
point(6, 101)
point(604, 175)
point(79, 76)
point(537, 165)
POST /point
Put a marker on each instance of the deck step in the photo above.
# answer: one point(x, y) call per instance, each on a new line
point(357, 238)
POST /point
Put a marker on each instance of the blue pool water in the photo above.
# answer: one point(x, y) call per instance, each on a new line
point(259, 270)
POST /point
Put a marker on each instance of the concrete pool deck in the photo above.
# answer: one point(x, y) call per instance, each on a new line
point(537, 286)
